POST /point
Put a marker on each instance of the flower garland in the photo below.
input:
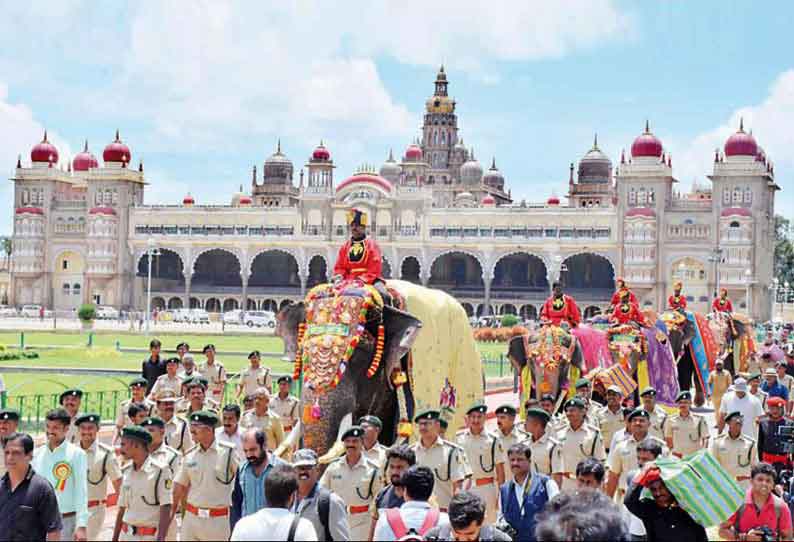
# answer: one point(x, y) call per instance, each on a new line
point(298, 365)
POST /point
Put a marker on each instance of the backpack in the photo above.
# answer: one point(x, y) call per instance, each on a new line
point(323, 510)
point(401, 532)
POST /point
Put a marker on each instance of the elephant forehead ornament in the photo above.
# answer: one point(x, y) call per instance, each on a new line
point(549, 351)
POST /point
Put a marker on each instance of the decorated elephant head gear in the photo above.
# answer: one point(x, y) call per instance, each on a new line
point(678, 285)
point(357, 216)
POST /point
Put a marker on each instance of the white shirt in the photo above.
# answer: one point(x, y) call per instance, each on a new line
point(272, 524)
point(749, 406)
point(413, 514)
point(521, 489)
point(236, 439)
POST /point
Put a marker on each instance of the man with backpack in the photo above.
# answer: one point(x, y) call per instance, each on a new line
point(325, 510)
point(415, 517)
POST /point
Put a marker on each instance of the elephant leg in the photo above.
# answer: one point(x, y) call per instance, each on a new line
point(700, 396)
point(685, 372)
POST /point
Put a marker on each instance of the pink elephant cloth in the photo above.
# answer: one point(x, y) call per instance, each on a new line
point(774, 351)
point(594, 347)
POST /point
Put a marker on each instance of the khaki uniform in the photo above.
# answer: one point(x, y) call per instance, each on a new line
point(378, 455)
point(720, 382)
point(610, 423)
point(546, 455)
point(183, 407)
point(166, 455)
point(73, 434)
point(270, 423)
point(736, 455)
point(357, 486)
point(688, 434)
point(177, 434)
point(448, 463)
point(485, 453)
point(623, 459)
point(215, 374)
point(251, 379)
point(122, 420)
point(658, 420)
point(142, 494)
point(513, 437)
point(102, 466)
point(577, 445)
point(209, 475)
point(287, 410)
point(165, 382)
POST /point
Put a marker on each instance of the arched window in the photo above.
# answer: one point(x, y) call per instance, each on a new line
point(66, 288)
point(76, 289)
point(748, 195)
point(632, 197)
point(726, 196)
point(734, 224)
point(641, 197)
point(737, 195)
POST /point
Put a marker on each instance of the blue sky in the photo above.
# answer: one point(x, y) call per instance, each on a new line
point(202, 90)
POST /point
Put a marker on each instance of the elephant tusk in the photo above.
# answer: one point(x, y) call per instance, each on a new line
point(338, 448)
point(291, 442)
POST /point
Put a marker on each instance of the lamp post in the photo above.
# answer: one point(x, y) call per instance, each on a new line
point(716, 258)
point(748, 274)
point(151, 251)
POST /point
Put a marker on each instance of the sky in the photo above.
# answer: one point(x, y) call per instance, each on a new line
point(203, 90)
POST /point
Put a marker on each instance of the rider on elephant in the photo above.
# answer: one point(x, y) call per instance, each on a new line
point(360, 257)
point(722, 303)
point(677, 302)
point(627, 311)
point(560, 308)
point(621, 289)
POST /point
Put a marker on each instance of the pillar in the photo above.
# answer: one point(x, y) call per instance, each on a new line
point(303, 278)
point(244, 304)
point(487, 281)
point(186, 301)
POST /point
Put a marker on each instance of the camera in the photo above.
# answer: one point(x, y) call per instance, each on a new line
point(786, 434)
point(767, 534)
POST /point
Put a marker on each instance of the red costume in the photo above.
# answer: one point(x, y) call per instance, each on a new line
point(626, 312)
point(722, 304)
point(623, 289)
point(676, 302)
point(558, 309)
point(359, 259)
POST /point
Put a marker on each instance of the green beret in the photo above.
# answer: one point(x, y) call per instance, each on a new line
point(196, 381)
point(429, 414)
point(685, 395)
point(284, 378)
point(547, 397)
point(582, 383)
point(734, 414)
point(648, 391)
point(208, 347)
point(70, 393)
point(9, 414)
point(575, 402)
point(154, 421)
point(206, 417)
point(478, 407)
point(506, 409)
point(538, 413)
point(443, 423)
point(136, 432)
point(639, 412)
point(255, 354)
point(138, 382)
point(353, 432)
point(173, 360)
point(371, 420)
point(90, 418)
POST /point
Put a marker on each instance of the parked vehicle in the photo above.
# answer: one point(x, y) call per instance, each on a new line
point(6, 311)
point(234, 317)
point(30, 311)
point(260, 319)
point(199, 316)
point(107, 313)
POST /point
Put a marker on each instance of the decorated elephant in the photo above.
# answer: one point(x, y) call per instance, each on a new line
point(733, 333)
point(355, 356)
point(547, 361)
point(683, 332)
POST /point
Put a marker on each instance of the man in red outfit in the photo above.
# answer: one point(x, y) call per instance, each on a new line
point(722, 303)
point(360, 257)
point(621, 288)
point(676, 302)
point(627, 311)
point(560, 308)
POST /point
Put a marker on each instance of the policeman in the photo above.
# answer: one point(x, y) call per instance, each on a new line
point(9, 421)
point(214, 371)
point(372, 449)
point(546, 449)
point(735, 451)
point(284, 404)
point(556, 421)
point(357, 480)
point(138, 395)
point(508, 432)
point(593, 410)
point(686, 432)
point(170, 380)
point(771, 445)
point(163, 454)
point(177, 434)
point(611, 419)
point(102, 466)
point(262, 418)
point(205, 481)
point(445, 459)
point(254, 376)
point(70, 400)
point(196, 397)
point(623, 458)
point(486, 459)
point(754, 381)
point(579, 440)
point(144, 505)
point(657, 413)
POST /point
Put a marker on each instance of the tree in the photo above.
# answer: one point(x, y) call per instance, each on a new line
point(784, 251)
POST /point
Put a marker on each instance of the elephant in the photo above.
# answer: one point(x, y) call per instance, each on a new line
point(545, 359)
point(403, 361)
point(733, 334)
point(681, 332)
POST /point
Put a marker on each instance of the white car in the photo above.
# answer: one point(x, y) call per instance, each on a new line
point(260, 319)
point(198, 316)
point(6, 311)
point(107, 313)
point(30, 311)
point(233, 317)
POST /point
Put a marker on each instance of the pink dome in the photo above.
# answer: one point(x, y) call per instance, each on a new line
point(246, 200)
point(83, 161)
point(368, 178)
point(554, 200)
point(488, 200)
point(102, 211)
point(188, 200)
point(741, 143)
point(30, 210)
point(44, 151)
point(646, 144)
point(413, 152)
point(116, 151)
point(736, 211)
point(641, 211)
point(321, 153)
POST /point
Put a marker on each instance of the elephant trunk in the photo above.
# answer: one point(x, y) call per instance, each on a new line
point(322, 414)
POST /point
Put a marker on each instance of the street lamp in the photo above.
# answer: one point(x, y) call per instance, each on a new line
point(151, 251)
point(748, 274)
point(716, 258)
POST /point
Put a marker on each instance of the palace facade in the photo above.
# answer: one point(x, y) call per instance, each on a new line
point(444, 219)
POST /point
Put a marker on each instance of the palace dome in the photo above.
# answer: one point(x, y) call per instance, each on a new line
point(595, 165)
point(741, 143)
point(116, 151)
point(493, 177)
point(44, 151)
point(188, 200)
point(471, 170)
point(646, 144)
point(321, 153)
point(365, 178)
point(553, 201)
point(83, 161)
point(413, 153)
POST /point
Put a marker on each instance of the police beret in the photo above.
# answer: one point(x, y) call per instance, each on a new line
point(173, 360)
point(255, 354)
point(138, 382)
point(154, 421)
point(183, 344)
point(70, 393)
point(90, 418)
point(538, 413)
point(353, 432)
point(429, 414)
point(734, 414)
point(547, 397)
point(506, 409)
point(208, 347)
point(615, 389)
point(582, 383)
point(648, 391)
point(371, 420)
point(478, 407)
point(196, 381)
point(136, 432)
point(166, 396)
point(639, 412)
point(776, 402)
point(685, 395)
point(443, 423)
point(284, 378)
point(575, 402)
point(206, 417)
point(9, 414)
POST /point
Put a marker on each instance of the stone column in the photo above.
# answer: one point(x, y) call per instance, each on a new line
point(186, 301)
point(303, 278)
point(244, 303)
point(487, 281)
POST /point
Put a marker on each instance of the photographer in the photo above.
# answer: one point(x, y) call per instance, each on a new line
point(763, 515)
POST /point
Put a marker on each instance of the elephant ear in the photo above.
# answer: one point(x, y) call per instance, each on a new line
point(401, 330)
point(577, 358)
point(287, 322)
point(517, 351)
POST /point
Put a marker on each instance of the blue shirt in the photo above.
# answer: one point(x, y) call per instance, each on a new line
point(248, 496)
point(776, 390)
point(66, 469)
